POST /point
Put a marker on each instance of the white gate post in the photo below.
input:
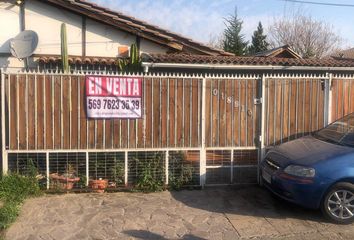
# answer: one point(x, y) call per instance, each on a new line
point(126, 168)
point(262, 125)
point(203, 149)
point(166, 167)
point(47, 168)
point(87, 168)
point(329, 105)
point(3, 127)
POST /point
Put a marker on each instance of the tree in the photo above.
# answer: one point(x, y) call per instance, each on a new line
point(307, 36)
point(234, 41)
point(216, 41)
point(259, 42)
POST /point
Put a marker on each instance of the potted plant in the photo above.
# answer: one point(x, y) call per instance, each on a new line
point(67, 180)
point(98, 185)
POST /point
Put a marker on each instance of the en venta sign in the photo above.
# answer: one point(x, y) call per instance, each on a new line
point(113, 97)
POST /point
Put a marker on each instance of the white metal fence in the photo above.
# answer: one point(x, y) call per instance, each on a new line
point(250, 106)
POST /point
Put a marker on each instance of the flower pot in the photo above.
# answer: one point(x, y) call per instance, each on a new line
point(98, 185)
point(62, 182)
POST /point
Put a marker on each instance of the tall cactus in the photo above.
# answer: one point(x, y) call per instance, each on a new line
point(64, 48)
point(134, 54)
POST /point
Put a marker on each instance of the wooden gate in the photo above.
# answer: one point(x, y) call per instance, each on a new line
point(220, 124)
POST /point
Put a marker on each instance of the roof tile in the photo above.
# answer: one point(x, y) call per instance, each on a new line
point(238, 60)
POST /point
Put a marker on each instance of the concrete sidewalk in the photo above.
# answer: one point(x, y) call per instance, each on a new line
point(247, 212)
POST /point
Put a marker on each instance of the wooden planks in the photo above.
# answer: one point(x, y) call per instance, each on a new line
point(231, 115)
point(49, 112)
point(342, 97)
point(294, 107)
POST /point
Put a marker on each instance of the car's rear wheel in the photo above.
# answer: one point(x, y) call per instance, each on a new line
point(338, 204)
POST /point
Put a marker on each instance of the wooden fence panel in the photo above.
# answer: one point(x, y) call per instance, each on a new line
point(231, 115)
point(342, 97)
point(294, 108)
point(49, 112)
point(13, 110)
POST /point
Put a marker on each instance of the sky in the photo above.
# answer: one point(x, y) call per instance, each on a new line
point(201, 19)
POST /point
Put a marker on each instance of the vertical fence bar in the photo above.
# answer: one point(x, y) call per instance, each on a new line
point(281, 110)
point(152, 112)
point(297, 107)
point(160, 112)
point(87, 169)
point(262, 124)
point(198, 107)
point(47, 168)
point(191, 104)
point(53, 138)
point(183, 109)
point(9, 107)
point(26, 109)
point(168, 114)
point(203, 150)
point(232, 112)
point(44, 113)
point(61, 113)
point(166, 167)
point(70, 113)
point(232, 166)
point(144, 114)
point(3, 127)
point(126, 168)
point(328, 116)
point(78, 114)
point(289, 108)
point(35, 113)
point(17, 112)
point(175, 115)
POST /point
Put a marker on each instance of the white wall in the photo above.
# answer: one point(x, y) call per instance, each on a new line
point(46, 21)
point(9, 25)
point(11, 62)
point(101, 40)
point(150, 47)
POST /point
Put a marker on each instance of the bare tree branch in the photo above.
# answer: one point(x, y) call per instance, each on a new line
point(307, 36)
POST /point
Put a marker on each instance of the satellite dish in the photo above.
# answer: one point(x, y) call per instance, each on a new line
point(24, 44)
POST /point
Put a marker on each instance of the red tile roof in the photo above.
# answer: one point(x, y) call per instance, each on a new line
point(236, 60)
point(55, 59)
point(132, 25)
point(345, 54)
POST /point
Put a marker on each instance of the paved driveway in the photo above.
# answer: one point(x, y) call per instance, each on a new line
point(214, 213)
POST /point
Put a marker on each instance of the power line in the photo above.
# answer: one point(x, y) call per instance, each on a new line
point(320, 3)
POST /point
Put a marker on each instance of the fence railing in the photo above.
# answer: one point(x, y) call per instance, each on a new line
point(45, 113)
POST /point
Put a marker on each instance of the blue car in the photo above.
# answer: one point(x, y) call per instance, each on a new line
point(316, 171)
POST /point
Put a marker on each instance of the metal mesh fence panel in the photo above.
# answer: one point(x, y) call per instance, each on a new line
point(107, 165)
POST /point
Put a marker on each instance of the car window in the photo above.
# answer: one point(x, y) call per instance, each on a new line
point(340, 132)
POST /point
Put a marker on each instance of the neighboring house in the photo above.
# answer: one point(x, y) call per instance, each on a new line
point(279, 52)
point(345, 54)
point(96, 35)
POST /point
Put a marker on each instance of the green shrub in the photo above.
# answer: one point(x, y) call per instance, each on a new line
point(16, 188)
point(8, 214)
point(184, 176)
point(151, 178)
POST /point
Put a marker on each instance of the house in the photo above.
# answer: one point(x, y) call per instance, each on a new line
point(345, 54)
point(193, 105)
point(279, 52)
point(96, 35)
